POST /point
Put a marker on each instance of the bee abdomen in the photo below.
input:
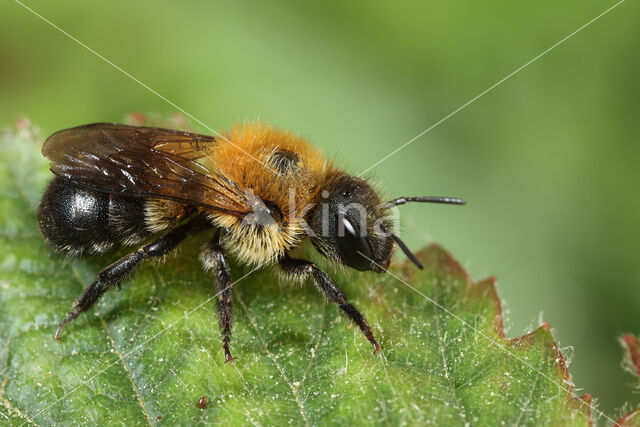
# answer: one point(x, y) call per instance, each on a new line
point(78, 221)
point(127, 219)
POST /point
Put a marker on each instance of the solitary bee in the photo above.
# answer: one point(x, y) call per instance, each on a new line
point(263, 190)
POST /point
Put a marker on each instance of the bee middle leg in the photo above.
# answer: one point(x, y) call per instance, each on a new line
point(302, 269)
point(116, 273)
point(213, 258)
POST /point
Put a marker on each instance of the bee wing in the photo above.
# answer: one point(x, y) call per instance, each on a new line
point(143, 162)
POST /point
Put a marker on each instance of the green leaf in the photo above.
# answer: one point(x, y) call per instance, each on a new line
point(632, 364)
point(632, 356)
point(148, 353)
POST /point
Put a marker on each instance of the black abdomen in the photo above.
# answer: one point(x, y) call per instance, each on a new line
point(77, 221)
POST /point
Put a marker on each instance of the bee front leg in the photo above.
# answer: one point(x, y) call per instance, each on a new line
point(213, 258)
point(298, 268)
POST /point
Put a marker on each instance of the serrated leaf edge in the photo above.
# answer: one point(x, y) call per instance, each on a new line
point(632, 345)
point(488, 285)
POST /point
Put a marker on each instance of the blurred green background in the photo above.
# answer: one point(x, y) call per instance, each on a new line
point(548, 160)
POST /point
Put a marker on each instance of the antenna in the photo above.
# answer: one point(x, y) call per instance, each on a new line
point(422, 199)
point(404, 247)
point(426, 199)
point(406, 251)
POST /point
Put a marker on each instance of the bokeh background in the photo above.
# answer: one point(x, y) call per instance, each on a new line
point(548, 160)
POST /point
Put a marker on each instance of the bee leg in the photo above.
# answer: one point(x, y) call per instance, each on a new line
point(298, 268)
point(213, 258)
point(120, 270)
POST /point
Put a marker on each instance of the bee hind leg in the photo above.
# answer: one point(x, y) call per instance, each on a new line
point(214, 259)
point(298, 268)
point(116, 273)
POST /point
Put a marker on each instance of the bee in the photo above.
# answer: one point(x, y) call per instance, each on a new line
point(261, 190)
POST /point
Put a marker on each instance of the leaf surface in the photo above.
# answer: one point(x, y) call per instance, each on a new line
point(147, 354)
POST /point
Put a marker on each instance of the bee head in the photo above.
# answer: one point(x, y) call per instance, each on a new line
point(351, 226)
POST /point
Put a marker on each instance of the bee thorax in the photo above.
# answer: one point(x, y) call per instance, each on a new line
point(256, 242)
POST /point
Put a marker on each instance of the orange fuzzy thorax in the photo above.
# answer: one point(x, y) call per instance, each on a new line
point(249, 160)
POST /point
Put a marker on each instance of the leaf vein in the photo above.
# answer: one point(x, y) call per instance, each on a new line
point(293, 389)
point(524, 407)
point(447, 374)
point(126, 370)
point(12, 409)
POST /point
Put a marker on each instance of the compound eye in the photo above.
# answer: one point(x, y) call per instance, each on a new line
point(354, 248)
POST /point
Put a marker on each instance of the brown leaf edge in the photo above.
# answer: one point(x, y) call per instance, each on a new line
point(487, 289)
point(632, 345)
